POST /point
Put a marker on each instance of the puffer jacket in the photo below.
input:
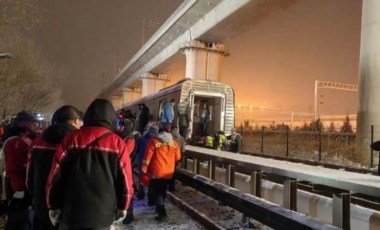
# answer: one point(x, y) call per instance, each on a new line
point(40, 159)
point(91, 174)
point(16, 150)
point(161, 156)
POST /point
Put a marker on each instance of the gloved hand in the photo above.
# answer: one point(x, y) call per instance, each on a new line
point(55, 216)
point(145, 179)
point(120, 215)
point(19, 194)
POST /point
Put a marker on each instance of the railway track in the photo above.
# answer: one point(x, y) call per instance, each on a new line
point(358, 199)
point(189, 209)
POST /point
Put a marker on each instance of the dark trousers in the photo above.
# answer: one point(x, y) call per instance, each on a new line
point(159, 187)
point(18, 214)
point(203, 128)
point(171, 184)
point(150, 195)
point(130, 208)
point(43, 222)
point(183, 130)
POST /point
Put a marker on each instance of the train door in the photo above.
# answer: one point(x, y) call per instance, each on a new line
point(212, 106)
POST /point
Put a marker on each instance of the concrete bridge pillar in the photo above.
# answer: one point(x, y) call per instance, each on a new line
point(116, 101)
point(131, 94)
point(369, 84)
point(203, 60)
point(152, 83)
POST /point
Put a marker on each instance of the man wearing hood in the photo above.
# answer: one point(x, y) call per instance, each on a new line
point(65, 120)
point(90, 181)
point(159, 162)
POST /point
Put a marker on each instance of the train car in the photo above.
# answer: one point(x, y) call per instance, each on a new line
point(217, 96)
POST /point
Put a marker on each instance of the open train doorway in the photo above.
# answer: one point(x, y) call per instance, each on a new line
point(207, 114)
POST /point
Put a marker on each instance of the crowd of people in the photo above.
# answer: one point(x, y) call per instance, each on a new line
point(78, 172)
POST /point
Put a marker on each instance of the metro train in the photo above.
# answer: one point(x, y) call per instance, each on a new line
point(219, 98)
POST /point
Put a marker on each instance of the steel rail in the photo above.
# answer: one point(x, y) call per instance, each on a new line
point(267, 213)
point(334, 182)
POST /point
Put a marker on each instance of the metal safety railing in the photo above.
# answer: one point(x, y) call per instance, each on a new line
point(340, 187)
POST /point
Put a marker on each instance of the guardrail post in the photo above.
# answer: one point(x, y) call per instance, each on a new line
point(287, 141)
point(184, 162)
point(320, 145)
point(262, 140)
point(196, 166)
point(290, 195)
point(341, 210)
point(256, 183)
point(230, 176)
point(372, 132)
point(211, 169)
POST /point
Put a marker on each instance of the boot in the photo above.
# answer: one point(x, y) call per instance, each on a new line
point(171, 188)
point(162, 216)
point(129, 218)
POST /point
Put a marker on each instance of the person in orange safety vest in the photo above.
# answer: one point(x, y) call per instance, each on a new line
point(159, 163)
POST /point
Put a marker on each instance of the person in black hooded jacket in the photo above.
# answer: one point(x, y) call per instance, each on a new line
point(90, 181)
point(65, 120)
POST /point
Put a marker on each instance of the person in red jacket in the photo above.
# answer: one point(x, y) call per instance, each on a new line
point(159, 163)
point(16, 147)
point(90, 181)
point(65, 120)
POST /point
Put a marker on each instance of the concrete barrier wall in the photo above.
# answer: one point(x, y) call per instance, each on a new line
point(310, 204)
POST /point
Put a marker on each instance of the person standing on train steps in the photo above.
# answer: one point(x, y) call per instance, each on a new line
point(65, 120)
point(90, 181)
point(168, 115)
point(184, 117)
point(204, 115)
point(159, 163)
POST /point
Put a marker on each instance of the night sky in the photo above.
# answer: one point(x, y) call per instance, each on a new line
point(86, 39)
point(280, 57)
